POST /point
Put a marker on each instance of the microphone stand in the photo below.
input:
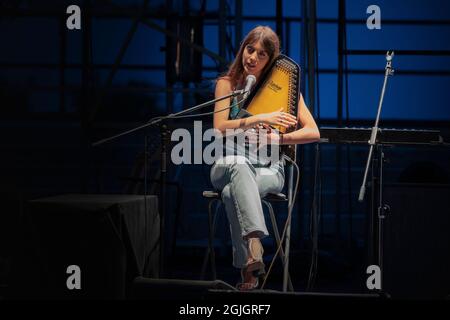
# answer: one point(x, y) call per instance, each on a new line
point(165, 138)
point(383, 209)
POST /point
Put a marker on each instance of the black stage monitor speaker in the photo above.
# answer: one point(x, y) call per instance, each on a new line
point(417, 241)
point(86, 247)
point(174, 289)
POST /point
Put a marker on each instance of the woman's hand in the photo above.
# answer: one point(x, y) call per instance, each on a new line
point(263, 135)
point(278, 118)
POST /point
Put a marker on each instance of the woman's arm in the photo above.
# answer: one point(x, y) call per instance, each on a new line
point(308, 131)
point(221, 121)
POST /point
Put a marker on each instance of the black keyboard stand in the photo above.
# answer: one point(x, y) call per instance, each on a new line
point(379, 211)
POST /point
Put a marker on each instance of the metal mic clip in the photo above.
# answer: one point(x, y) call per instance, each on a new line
point(238, 92)
point(389, 55)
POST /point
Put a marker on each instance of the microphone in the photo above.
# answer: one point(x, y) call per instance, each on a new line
point(249, 82)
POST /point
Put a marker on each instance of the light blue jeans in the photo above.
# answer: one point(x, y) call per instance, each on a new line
point(243, 184)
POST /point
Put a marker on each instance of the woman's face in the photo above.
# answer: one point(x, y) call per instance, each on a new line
point(254, 58)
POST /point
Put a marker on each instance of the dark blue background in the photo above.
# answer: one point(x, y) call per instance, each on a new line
point(409, 97)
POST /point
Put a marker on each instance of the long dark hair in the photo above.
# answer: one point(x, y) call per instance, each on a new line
point(271, 44)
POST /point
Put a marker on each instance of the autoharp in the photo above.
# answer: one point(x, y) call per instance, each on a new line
point(278, 88)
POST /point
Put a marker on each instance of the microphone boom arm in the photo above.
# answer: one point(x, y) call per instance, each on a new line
point(156, 120)
point(375, 129)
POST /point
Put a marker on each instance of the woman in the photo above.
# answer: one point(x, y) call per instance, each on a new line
point(243, 182)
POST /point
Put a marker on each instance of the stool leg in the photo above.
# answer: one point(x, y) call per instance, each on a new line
point(277, 238)
point(210, 250)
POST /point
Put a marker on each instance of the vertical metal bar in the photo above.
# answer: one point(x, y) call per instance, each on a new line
point(312, 27)
point(169, 93)
point(349, 197)
point(312, 71)
point(210, 252)
point(301, 148)
point(85, 92)
point(222, 30)
point(341, 30)
point(381, 216)
point(163, 196)
point(372, 222)
point(279, 22)
point(238, 25)
point(62, 64)
point(288, 229)
point(185, 24)
point(85, 56)
point(212, 231)
point(288, 38)
point(341, 26)
point(303, 37)
point(186, 95)
point(348, 147)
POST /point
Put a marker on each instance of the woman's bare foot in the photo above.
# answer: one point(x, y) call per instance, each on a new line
point(255, 255)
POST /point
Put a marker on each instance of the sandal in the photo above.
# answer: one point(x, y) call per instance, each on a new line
point(250, 280)
point(255, 268)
